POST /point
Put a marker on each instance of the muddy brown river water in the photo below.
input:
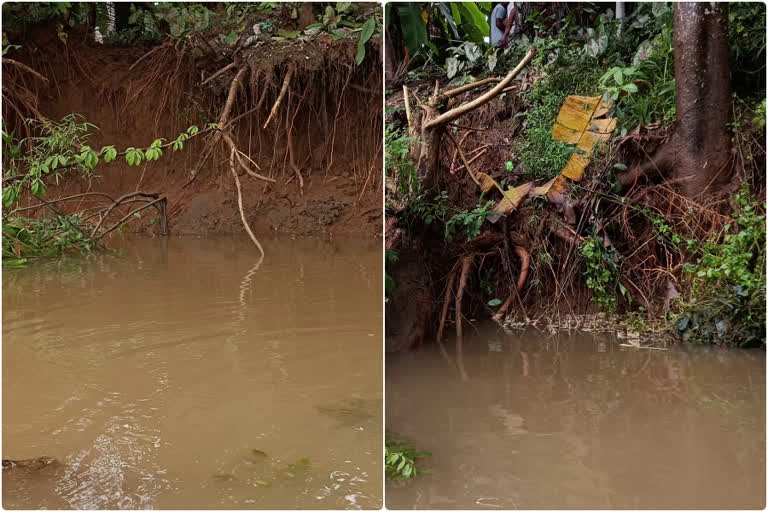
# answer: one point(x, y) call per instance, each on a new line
point(579, 422)
point(180, 375)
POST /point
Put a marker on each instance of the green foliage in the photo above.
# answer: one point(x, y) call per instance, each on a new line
point(727, 302)
point(602, 269)
point(618, 81)
point(412, 24)
point(400, 459)
point(59, 149)
point(759, 119)
point(28, 163)
point(470, 221)
point(25, 238)
point(391, 256)
point(746, 43)
point(397, 162)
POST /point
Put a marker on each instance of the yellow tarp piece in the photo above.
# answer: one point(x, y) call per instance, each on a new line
point(580, 122)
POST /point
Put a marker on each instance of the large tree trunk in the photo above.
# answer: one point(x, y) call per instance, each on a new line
point(702, 83)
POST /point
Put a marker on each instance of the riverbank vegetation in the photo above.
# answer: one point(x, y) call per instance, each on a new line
point(597, 163)
point(401, 459)
point(169, 91)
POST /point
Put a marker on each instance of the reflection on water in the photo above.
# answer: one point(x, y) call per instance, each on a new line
point(579, 422)
point(181, 375)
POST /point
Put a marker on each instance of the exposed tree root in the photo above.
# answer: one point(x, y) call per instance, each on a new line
point(240, 202)
point(219, 72)
point(446, 303)
point(279, 100)
point(466, 264)
point(26, 68)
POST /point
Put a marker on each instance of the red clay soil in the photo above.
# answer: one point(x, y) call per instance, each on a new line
point(342, 173)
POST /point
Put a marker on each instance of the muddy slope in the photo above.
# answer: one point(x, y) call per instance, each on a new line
point(332, 109)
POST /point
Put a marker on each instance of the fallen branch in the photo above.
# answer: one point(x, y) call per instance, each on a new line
point(114, 205)
point(468, 87)
point(283, 90)
point(452, 114)
point(240, 203)
point(128, 216)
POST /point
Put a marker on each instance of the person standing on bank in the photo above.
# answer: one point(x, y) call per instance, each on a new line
point(502, 21)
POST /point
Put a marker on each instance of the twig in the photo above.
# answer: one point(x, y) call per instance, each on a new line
point(240, 203)
point(473, 158)
point(463, 159)
point(283, 90)
point(128, 216)
point(115, 205)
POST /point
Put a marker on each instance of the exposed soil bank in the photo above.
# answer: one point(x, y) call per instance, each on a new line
point(332, 109)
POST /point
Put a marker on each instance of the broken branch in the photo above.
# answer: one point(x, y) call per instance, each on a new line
point(449, 116)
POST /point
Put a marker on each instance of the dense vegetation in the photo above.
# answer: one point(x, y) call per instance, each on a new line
point(693, 265)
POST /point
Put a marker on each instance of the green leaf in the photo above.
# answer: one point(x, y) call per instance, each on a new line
point(631, 88)
point(10, 196)
point(109, 153)
point(137, 215)
point(192, 130)
point(414, 29)
point(360, 55)
point(494, 302)
point(37, 187)
point(288, 34)
point(368, 28)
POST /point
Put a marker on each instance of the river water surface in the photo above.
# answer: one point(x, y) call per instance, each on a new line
point(179, 374)
point(578, 422)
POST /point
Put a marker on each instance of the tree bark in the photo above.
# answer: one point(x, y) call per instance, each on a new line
point(703, 97)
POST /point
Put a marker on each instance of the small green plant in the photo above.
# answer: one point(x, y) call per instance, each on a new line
point(602, 270)
point(400, 459)
point(618, 80)
point(727, 303)
point(397, 161)
point(759, 119)
point(470, 221)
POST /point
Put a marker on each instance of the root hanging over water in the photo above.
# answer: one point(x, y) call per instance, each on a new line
point(466, 265)
point(240, 203)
